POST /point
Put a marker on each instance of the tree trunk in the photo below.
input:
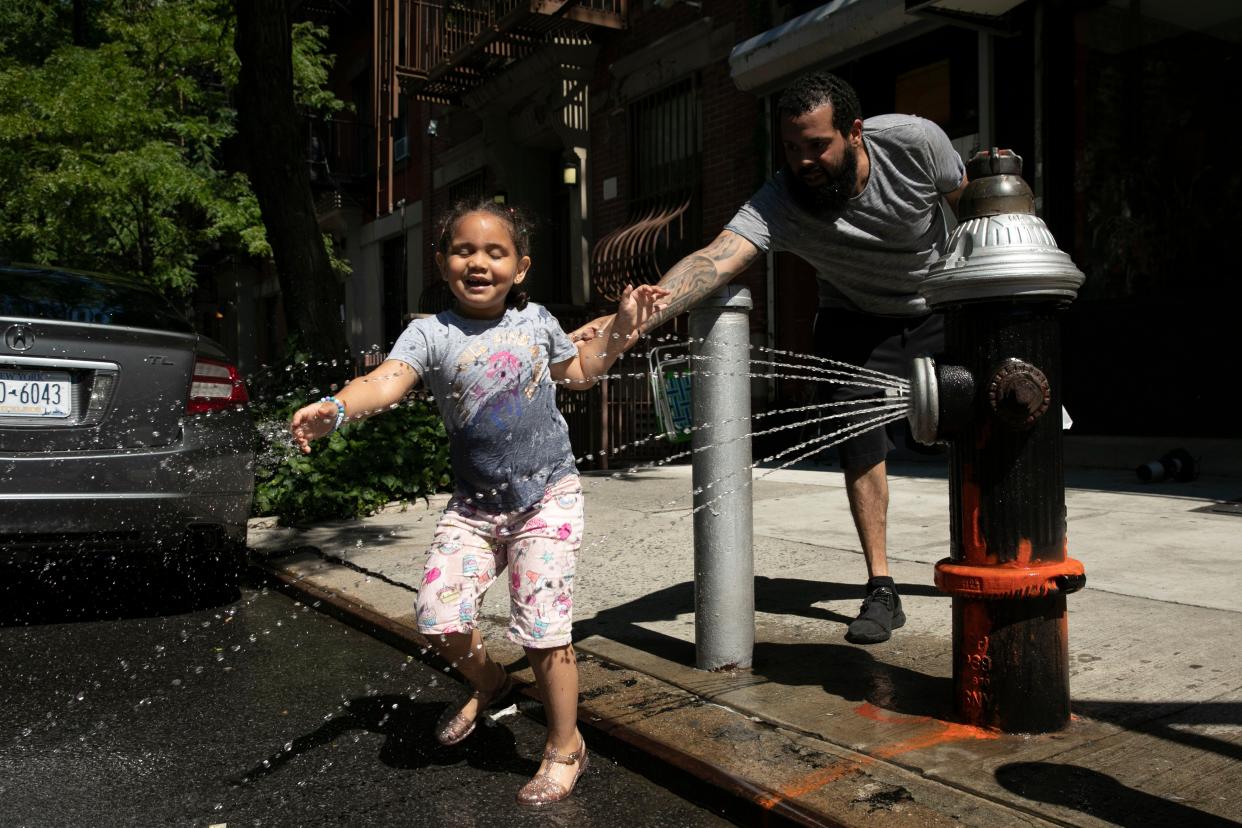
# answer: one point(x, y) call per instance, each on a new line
point(271, 129)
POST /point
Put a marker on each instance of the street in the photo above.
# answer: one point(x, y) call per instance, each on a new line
point(261, 711)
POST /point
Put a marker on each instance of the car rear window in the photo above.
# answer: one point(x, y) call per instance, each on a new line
point(85, 297)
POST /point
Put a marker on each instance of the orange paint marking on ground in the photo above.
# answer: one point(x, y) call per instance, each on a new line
point(814, 781)
point(941, 733)
point(948, 732)
point(878, 714)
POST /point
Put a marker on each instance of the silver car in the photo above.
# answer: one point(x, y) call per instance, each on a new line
point(120, 427)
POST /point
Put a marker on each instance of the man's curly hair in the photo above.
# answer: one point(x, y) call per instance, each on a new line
point(813, 90)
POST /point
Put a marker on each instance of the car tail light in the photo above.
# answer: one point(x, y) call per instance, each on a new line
point(101, 393)
point(216, 386)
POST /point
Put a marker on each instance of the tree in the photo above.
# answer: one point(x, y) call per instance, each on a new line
point(113, 116)
point(271, 126)
point(119, 144)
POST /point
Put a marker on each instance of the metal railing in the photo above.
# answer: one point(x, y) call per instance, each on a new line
point(339, 151)
point(441, 32)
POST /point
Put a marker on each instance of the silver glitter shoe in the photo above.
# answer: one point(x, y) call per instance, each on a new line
point(453, 726)
point(543, 789)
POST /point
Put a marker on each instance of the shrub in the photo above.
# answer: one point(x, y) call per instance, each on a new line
point(400, 454)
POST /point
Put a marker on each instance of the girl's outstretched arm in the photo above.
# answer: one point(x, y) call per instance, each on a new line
point(377, 391)
point(597, 355)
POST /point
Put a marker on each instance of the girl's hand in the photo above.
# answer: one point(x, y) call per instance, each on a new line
point(637, 306)
point(591, 330)
point(311, 422)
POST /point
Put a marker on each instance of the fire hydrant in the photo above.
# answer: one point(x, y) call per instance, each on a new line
point(994, 396)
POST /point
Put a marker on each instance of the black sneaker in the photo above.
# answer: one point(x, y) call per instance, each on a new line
point(879, 616)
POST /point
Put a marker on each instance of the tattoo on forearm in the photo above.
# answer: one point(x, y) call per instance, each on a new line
point(722, 248)
point(688, 282)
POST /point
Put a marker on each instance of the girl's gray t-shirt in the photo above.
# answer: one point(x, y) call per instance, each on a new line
point(491, 381)
point(871, 256)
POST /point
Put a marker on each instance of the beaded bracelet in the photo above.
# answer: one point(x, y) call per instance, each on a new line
point(340, 411)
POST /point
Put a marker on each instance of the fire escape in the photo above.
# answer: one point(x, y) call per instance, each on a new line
point(530, 61)
point(443, 49)
point(533, 58)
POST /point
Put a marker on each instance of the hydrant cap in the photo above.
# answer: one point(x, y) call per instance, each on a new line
point(1001, 249)
point(993, 162)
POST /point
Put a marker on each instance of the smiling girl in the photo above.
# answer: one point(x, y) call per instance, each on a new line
point(492, 363)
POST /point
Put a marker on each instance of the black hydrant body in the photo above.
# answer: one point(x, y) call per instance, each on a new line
point(995, 397)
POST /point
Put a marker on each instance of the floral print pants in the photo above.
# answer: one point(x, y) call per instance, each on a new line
point(473, 547)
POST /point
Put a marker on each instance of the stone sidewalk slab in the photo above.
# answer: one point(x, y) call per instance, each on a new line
point(1156, 671)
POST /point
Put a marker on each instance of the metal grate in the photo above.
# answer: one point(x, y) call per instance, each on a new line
point(665, 213)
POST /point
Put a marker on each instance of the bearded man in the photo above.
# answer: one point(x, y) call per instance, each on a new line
point(863, 202)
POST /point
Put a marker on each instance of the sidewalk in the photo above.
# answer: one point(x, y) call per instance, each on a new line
point(824, 732)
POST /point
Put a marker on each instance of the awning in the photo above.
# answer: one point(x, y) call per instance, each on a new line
point(842, 30)
point(835, 32)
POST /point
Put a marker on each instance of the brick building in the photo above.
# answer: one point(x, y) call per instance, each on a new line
point(660, 112)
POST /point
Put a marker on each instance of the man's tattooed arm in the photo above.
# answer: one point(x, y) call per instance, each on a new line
point(701, 273)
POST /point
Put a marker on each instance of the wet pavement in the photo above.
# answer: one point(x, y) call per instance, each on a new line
point(820, 731)
point(258, 711)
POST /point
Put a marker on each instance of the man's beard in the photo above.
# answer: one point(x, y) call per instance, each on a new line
point(833, 193)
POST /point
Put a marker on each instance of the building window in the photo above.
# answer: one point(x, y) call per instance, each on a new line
point(468, 189)
point(400, 134)
point(666, 141)
point(665, 215)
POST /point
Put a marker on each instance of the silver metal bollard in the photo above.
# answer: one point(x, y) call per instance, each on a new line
point(724, 565)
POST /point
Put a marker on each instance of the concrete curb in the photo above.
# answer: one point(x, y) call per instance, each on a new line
point(755, 771)
point(766, 804)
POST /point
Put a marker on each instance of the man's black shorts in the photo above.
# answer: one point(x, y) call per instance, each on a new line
point(880, 343)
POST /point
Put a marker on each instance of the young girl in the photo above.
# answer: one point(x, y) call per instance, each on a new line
point(490, 363)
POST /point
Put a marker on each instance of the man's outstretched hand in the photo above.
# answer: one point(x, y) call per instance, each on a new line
point(637, 306)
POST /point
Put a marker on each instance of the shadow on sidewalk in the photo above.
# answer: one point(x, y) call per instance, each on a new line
point(854, 674)
point(1099, 795)
point(1172, 720)
point(844, 670)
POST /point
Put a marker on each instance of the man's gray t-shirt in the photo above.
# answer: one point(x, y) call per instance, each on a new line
point(872, 255)
point(491, 381)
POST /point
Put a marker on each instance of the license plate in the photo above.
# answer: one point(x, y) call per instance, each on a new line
point(34, 393)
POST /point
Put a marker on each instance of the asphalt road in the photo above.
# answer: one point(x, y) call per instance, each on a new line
point(259, 711)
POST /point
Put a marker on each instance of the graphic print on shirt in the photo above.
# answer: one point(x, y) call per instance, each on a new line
point(502, 381)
